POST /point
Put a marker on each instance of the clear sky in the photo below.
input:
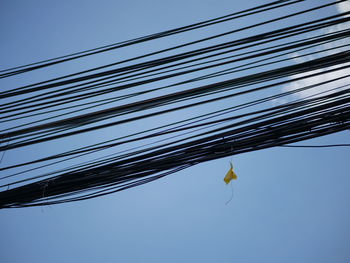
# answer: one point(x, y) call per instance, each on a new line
point(289, 205)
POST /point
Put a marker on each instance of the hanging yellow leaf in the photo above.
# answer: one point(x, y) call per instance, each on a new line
point(230, 175)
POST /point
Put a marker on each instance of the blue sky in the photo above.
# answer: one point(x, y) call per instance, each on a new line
point(289, 205)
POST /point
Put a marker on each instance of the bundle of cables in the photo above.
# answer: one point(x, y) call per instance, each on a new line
point(132, 121)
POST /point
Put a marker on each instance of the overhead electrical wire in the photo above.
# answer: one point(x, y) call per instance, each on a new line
point(239, 68)
point(98, 99)
point(303, 26)
point(61, 59)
